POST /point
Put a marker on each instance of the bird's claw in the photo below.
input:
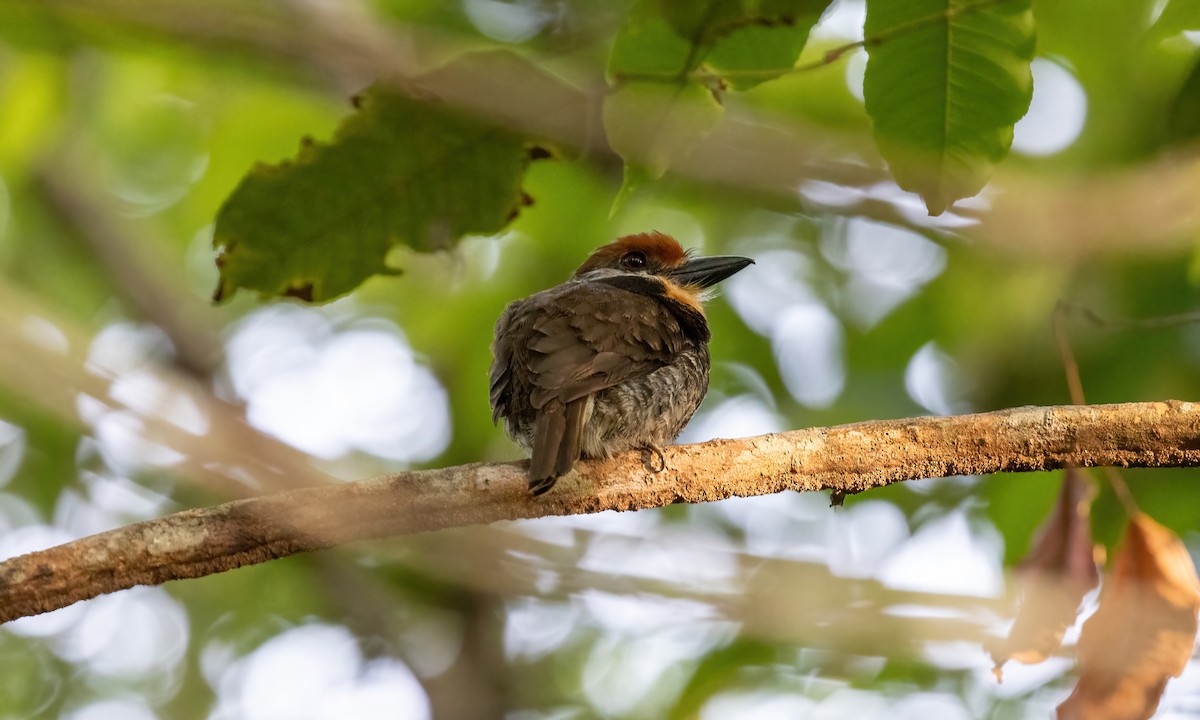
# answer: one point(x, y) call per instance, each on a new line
point(541, 486)
point(649, 452)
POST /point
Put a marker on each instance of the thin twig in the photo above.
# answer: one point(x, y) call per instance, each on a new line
point(1151, 323)
point(195, 341)
point(1071, 367)
point(1067, 356)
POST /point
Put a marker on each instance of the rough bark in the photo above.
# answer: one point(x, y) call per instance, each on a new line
point(846, 458)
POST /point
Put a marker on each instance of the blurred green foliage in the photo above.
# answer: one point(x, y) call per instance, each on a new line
point(158, 110)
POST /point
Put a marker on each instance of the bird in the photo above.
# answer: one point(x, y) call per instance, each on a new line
point(614, 359)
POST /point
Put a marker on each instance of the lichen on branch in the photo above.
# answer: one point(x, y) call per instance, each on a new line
point(846, 458)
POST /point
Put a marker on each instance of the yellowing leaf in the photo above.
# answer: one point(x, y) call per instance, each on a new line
point(1143, 633)
point(1058, 571)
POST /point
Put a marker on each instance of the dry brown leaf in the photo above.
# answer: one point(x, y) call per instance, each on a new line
point(1143, 632)
point(1053, 578)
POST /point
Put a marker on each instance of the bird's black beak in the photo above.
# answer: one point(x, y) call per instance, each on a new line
point(708, 271)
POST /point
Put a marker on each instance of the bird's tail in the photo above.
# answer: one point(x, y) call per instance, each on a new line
point(557, 439)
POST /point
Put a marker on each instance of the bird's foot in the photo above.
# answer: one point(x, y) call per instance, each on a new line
point(649, 454)
point(541, 486)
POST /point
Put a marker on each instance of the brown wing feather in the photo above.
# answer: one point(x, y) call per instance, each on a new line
point(569, 448)
point(590, 336)
point(548, 434)
point(598, 336)
point(558, 436)
point(500, 385)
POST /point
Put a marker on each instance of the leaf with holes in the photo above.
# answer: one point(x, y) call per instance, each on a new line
point(659, 110)
point(945, 83)
point(398, 172)
point(746, 42)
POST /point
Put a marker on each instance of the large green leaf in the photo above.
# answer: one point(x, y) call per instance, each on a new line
point(399, 171)
point(945, 82)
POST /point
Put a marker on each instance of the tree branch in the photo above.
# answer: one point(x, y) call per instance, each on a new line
point(846, 458)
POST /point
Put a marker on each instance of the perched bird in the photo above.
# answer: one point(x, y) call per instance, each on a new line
point(614, 359)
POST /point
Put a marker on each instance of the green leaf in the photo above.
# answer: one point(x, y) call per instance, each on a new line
point(648, 48)
point(745, 41)
point(1183, 119)
point(658, 112)
point(721, 669)
point(945, 82)
point(399, 171)
point(660, 109)
point(755, 54)
point(653, 124)
point(1177, 16)
point(668, 39)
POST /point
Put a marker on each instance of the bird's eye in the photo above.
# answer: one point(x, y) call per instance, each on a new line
point(635, 260)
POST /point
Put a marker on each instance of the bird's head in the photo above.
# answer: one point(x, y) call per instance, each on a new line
point(660, 257)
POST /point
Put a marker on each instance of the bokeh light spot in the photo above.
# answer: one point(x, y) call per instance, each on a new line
point(12, 450)
point(947, 555)
point(330, 392)
point(934, 382)
point(885, 265)
point(808, 341)
point(117, 709)
point(510, 22)
point(317, 672)
point(1056, 114)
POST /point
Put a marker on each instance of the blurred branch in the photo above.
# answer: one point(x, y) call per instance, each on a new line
point(196, 342)
point(843, 613)
point(228, 454)
point(846, 458)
